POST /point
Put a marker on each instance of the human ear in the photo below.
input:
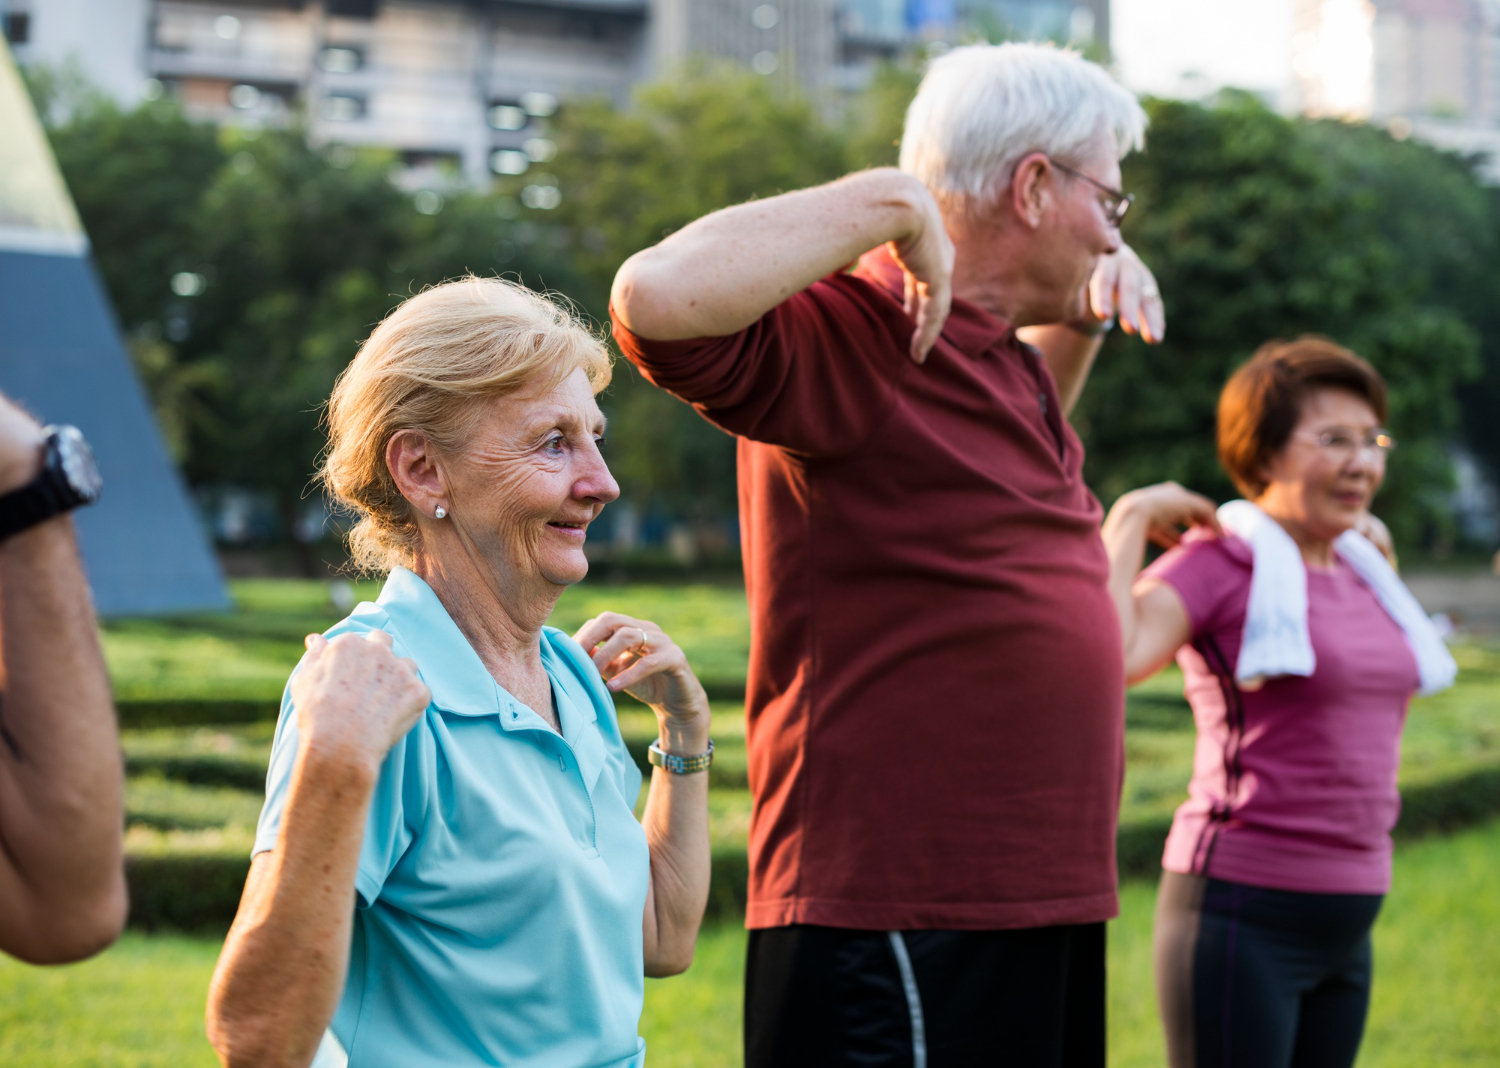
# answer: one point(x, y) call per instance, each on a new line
point(1031, 189)
point(417, 471)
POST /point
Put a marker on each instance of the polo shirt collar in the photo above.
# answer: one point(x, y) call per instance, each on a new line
point(969, 328)
point(454, 674)
point(460, 683)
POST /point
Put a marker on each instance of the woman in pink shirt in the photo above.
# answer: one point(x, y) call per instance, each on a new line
point(1277, 863)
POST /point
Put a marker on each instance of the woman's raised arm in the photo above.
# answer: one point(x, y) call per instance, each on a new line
point(1153, 622)
point(637, 656)
point(281, 974)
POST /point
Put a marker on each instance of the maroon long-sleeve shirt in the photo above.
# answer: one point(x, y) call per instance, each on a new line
point(935, 702)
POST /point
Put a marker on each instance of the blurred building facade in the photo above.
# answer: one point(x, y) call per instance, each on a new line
point(1423, 68)
point(472, 83)
point(61, 357)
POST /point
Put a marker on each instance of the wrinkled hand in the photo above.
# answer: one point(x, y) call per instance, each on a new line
point(636, 656)
point(21, 442)
point(1124, 286)
point(1168, 509)
point(1379, 534)
point(354, 697)
point(926, 259)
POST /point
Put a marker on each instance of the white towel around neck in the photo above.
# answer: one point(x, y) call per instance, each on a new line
point(1276, 639)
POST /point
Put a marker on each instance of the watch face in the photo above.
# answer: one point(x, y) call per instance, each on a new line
point(78, 464)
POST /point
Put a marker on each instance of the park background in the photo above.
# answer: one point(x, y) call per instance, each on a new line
point(247, 254)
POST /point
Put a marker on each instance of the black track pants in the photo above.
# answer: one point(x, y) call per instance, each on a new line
point(825, 997)
point(1254, 978)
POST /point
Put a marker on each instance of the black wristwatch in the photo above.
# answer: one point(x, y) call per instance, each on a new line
point(69, 479)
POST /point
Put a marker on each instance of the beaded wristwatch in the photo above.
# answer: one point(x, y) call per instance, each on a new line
point(680, 765)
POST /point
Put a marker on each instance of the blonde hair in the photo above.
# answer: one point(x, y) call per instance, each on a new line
point(427, 367)
point(982, 108)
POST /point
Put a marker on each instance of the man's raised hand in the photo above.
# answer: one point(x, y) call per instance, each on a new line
point(1124, 286)
point(926, 259)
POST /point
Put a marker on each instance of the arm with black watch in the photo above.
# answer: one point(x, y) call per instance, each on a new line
point(69, 479)
point(62, 877)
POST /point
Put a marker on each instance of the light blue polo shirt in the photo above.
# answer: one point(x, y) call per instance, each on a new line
point(503, 874)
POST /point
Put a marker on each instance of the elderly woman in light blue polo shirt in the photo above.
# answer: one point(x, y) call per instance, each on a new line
point(448, 869)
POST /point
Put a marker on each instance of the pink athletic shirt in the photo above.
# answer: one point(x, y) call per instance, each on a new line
point(1294, 784)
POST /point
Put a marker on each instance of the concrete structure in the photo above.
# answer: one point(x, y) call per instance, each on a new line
point(61, 356)
point(1423, 68)
point(472, 82)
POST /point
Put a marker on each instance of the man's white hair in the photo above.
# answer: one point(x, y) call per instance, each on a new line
point(982, 108)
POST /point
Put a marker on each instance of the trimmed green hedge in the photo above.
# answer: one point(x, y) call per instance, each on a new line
point(203, 890)
point(189, 891)
point(172, 712)
point(215, 769)
point(203, 769)
point(136, 713)
point(1449, 804)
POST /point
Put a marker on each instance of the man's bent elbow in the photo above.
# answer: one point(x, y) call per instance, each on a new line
point(668, 964)
point(71, 931)
point(642, 302)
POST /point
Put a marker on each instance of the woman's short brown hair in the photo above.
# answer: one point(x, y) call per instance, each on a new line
point(1262, 401)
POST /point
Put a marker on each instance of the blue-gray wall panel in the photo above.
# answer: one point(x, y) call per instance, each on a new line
point(61, 355)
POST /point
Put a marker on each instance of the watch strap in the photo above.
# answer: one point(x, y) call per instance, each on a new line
point(680, 765)
point(1098, 329)
point(43, 497)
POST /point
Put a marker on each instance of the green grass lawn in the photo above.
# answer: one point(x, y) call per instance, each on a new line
point(196, 790)
point(1437, 946)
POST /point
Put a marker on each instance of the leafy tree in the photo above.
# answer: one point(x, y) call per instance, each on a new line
point(304, 251)
point(1259, 227)
point(713, 138)
point(285, 257)
point(875, 119)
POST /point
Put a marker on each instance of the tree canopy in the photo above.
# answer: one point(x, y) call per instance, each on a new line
point(247, 267)
point(1260, 227)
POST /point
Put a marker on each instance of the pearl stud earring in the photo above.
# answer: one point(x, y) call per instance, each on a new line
point(441, 513)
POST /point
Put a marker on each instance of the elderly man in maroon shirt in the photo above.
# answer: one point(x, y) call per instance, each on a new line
point(936, 692)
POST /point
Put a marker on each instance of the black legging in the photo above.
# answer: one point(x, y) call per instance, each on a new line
point(1254, 978)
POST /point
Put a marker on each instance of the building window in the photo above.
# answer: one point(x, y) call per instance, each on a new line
point(244, 97)
point(505, 115)
point(340, 60)
point(342, 108)
point(540, 105)
point(509, 161)
point(351, 9)
point(17, 25)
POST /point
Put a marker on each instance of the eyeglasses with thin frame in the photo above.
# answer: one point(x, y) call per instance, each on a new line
point(1119, 201)
point(1344, 443)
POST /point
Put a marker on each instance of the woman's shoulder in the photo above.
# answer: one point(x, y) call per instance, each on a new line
point(1202, 551)
point(1211, 575)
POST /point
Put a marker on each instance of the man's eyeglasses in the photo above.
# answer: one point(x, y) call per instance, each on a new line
point(1344, 443)
point(1119, 202)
